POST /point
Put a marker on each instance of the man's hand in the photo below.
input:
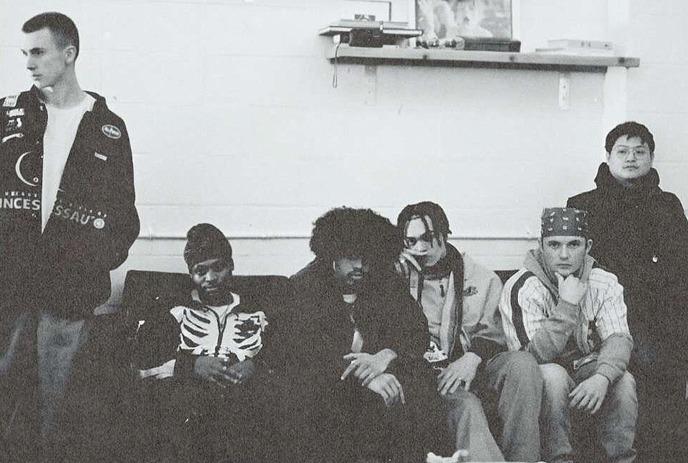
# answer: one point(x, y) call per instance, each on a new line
point(219, 370)
point(461, 371)
point(242, 371)
point(367, 367)
point(212, 369)
point(571, 289)
point(589, 394)
point(388, 387)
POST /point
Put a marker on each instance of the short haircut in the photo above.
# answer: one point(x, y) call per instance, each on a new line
point(61, 26)
point(630, 129)
point(348, 232)
point(424, 209)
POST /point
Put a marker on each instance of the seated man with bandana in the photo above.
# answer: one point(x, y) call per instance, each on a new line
point(216, 351)
point(568, 312)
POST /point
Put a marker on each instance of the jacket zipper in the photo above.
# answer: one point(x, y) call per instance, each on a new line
point(221, 331)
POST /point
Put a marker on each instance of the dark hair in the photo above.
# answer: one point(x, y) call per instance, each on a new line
point(424, 209)
point(61, 26)
point(205, 241)
point(348, 232)
point(630, 129)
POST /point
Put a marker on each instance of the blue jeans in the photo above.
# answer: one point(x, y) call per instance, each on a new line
point(513, 383)
point(615, 421)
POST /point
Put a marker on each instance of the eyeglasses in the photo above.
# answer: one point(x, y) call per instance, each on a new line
point(426, 237)
point(639, 152)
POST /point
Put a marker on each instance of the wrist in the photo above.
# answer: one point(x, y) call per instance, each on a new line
point(474, 358)
point(601, 377)
point(387, 354)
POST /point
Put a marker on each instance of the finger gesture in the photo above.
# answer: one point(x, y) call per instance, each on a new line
point(571, 289)
point(366, 367)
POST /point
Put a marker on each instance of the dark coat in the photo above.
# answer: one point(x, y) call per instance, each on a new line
point(66, 267)
point(385, 313)
point(641, 235)
point(336, 420)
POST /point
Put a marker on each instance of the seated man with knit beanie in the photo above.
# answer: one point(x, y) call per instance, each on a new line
point(467, 349)
point(570, 314)
point(217, 346)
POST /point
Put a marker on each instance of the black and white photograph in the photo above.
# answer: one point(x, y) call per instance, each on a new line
point(343, 231)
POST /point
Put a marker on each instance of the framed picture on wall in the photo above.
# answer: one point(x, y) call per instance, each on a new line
point(446, 20)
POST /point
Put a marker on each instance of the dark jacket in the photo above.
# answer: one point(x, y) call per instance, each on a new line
point(385, 314)
point(641, 235)
point(93, 223)
point(334, 420)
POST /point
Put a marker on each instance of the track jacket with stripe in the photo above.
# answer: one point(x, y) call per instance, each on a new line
point(536, 320)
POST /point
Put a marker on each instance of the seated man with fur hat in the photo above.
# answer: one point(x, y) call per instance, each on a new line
point(362, 391)
point(216, 345)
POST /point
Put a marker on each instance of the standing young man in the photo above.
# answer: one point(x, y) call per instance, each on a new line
point(459, 298)
point(570, 314)
point(67, 215)
point(641, 235)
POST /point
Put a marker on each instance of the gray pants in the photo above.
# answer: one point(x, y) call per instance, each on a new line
point(58, 340)
point(615, 421)
point(514, 379)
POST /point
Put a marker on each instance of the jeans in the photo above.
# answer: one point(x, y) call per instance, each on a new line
point(513, 380)
point(615, 421)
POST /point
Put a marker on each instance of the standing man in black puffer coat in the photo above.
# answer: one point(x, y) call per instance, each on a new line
point(640, 233)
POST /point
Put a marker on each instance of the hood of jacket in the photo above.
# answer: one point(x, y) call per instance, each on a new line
point(642, 188)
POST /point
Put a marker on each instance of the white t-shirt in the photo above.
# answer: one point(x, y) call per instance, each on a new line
point(57, 142)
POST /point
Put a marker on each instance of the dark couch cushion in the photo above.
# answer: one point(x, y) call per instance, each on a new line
point(505, 274)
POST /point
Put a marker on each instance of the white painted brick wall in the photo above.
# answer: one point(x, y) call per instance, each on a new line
point(234, 121)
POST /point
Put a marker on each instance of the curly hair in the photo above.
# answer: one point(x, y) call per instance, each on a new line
point(348, 232)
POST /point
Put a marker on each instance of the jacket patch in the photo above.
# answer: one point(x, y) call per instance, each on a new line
point(20, 175)
point(21, 200)
point(14, 124)
point(9, 137)
point(15, 112)
point(100, 156)
point(11, 101)
point(79, 215)
point(470, 291)
point(111, 131)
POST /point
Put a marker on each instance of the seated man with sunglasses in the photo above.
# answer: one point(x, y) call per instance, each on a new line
point(460, 300)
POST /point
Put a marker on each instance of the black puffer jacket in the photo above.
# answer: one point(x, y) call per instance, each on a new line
point(641, 235)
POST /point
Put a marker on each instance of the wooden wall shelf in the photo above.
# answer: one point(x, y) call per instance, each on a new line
point(477, 59)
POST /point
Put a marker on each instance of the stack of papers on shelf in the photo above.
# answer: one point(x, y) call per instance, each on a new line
point(398, 28)
point(578, 47)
